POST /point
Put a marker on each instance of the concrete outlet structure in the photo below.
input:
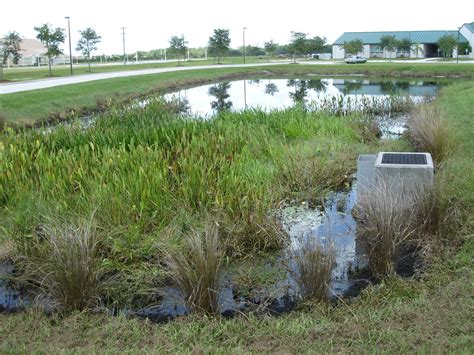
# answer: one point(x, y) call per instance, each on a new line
point(401, 172)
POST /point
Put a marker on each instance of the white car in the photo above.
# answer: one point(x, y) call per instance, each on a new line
point(355, 59)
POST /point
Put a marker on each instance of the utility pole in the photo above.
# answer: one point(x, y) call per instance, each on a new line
point(243, 37)
point(69, 31)
point(457, 48)
point(123, 39)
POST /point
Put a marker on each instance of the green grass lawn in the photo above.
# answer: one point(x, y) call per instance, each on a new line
point(432, 313)
point(34, 106)
point(34, 73)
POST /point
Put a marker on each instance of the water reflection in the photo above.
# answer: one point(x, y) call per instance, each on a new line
point(220, 93)
point(271, 89)
point(269, 94)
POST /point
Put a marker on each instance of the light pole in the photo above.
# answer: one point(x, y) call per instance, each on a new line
point(457, 48)
point(123, 40)
point(243, 38)
point(69, 32)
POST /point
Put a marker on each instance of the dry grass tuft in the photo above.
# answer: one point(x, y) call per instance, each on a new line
point(314, 265)
point(198, 271)
point(428, 131)
point(64, 263)
point(385, 221)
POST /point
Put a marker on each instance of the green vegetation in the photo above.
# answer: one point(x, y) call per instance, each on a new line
point(33, 73)
point(87, 44)
point(9, 49)
point(353, 47)
point(219, 44)
point(198, 271)
point(52, 39)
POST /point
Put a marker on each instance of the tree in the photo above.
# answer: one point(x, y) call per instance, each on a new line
point(298, 44)
point(270, 48)
point(316, 45)
point(51, 38)
point(219, 43)
point(178, 47)
point(404, 45)
point(353, 47)
point(389, 44)
point(88, 43)
point(447, 43)
point(9, 48)
point(418, 47)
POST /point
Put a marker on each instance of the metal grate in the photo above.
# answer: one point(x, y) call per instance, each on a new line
point(409, 159)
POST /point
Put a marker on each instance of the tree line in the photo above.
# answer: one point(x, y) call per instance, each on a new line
point(390, 44)
point(218, 46)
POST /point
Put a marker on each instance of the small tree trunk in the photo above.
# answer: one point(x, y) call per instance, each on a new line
point(89, 61)
point(49, 66)
point(1, 71)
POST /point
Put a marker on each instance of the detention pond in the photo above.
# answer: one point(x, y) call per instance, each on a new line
point(387, 100)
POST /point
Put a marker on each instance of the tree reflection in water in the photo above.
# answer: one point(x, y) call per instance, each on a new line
point(220, 92)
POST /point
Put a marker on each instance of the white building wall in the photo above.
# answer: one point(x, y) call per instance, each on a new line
point(470, 37)
point(366, 51)
point(337, 52)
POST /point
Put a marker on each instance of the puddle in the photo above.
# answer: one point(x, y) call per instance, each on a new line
point(11, 299)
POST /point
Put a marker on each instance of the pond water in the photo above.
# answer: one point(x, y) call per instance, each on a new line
point(268, 94)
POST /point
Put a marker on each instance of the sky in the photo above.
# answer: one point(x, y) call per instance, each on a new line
point(150, 24)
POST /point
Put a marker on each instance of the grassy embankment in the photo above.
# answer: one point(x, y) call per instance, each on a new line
point(38, 105)
point(258, 158)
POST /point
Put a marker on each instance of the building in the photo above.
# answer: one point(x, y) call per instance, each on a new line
point(33, 54)
point(424, 43)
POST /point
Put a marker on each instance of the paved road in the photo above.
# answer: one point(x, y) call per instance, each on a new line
point(68, 80)
point(9, 88)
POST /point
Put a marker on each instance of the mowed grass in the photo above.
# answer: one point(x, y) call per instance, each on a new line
point(29, 73)
point(35, 106)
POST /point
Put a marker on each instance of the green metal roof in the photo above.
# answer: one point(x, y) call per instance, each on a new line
point(470, 26)
point(413, 36)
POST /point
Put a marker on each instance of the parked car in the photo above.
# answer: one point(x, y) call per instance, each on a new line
point(355, 59)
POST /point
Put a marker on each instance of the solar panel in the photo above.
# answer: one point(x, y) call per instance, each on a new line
point(404, 159)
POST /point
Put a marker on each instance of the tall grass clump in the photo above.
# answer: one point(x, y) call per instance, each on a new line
point(385, 221)
point(314, 264)
point(429, 131)
point(198, 269)
point(63, 264)
point(438, 215)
